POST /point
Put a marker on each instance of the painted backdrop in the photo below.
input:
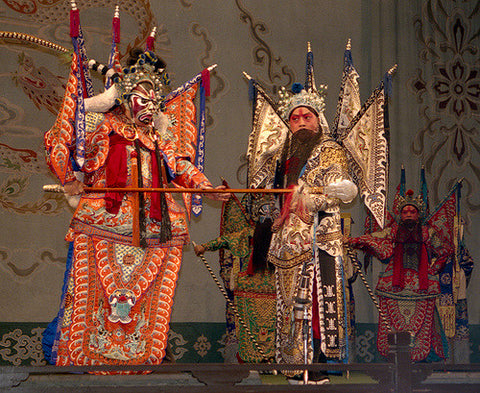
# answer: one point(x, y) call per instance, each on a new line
point(434, 118)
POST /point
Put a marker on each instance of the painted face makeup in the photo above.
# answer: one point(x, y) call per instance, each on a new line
point(303, 118)
point(142, 104)
point(409, 212)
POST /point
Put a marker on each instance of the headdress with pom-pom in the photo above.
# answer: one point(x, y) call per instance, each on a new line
point(147, 68)
point(308, 95)
point(410, 199)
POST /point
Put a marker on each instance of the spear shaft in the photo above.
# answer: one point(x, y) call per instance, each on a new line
point(235, 310)
point(313, 190)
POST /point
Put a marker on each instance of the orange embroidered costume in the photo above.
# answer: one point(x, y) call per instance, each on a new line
point(125, 247)
point(119, 297)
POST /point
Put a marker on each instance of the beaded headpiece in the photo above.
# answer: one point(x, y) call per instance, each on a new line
point(409, 199)
point(147, 68)
point(298, 96)
point(308, 95)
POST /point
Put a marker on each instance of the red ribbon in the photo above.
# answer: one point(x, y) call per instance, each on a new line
point(116, 172)
point(74, 23)
point(398, 270)
point(285, 209)
point(423, 268)
point(150, 43)
point(155, 205)
point(251, 268)
point(116, 30)
point(206, 81)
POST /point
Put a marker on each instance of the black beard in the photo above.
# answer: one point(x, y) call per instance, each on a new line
point(303, 141)
point(409, 224)
point(409, 231)
point(302, 144)
point(304, 135)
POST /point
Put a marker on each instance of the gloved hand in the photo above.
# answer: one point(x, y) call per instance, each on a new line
point(345, 190)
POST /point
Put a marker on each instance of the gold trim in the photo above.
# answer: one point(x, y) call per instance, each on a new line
point(328, 237)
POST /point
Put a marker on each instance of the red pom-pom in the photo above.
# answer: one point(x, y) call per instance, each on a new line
point(74, 23)
point(409, 192)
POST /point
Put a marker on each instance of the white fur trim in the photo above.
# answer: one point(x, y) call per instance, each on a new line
point(102, 102)
point(160, 122)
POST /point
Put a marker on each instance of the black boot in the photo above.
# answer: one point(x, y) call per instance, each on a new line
point(320, 377)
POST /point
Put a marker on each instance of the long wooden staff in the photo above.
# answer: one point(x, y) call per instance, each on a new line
point(234, 308)
point(312, 190)
point(358, 267)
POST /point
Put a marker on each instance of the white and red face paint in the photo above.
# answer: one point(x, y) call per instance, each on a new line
point(303, 118)
point(142, 104)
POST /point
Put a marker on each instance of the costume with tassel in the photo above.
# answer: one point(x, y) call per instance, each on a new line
point(125, 248)
point(306, 247)
point(409, 289)
point(248, 280)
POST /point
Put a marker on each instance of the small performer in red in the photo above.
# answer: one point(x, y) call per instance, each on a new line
point(409, 286)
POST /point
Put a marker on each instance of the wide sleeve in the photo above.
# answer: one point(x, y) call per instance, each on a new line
point(328, 168)
point(97, 129)
point(189, 176)
point(237, 242)
point(221, 242)
point(379, 244)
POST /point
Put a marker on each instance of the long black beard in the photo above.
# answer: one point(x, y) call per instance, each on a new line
point(409, 231)
point(304, 135)
point(302, 144)
point(260, 244)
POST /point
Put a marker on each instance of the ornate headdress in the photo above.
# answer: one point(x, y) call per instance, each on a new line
point(144, 66)
point(299, 97)
point(308, 95)
point(409, 199)
point(147, 68)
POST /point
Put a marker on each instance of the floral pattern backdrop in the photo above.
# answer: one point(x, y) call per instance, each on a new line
point(434, 122)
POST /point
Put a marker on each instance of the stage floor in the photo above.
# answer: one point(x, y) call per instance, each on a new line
point(177, 381)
